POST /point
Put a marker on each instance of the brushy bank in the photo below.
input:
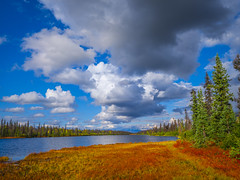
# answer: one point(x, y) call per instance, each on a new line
point(161, 160)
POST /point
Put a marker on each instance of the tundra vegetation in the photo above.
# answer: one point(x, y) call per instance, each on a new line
point(160, 160)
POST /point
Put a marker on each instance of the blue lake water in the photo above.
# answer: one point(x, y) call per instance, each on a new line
point(18, 149)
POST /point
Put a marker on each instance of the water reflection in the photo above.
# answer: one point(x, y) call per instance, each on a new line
point(19, 148)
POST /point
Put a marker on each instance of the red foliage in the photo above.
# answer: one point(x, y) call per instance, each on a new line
point(214, 157)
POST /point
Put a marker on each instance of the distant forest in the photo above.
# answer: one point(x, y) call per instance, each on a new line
point(175, 128)
point(15, 129)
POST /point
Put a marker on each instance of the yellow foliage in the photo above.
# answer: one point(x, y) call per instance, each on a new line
point(4, 159)
point(159, 160)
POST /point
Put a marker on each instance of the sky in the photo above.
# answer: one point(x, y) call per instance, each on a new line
point(121, 65)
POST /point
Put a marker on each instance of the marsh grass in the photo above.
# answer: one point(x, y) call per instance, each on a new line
point(161, 160)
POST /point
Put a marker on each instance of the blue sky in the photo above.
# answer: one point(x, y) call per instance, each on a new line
point(110, 65)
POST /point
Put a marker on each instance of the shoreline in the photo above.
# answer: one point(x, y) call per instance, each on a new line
point(64, 136)
point(10, 161)
point(12, 137)
point(16, 159)
point(150, 160)
point(86, 135)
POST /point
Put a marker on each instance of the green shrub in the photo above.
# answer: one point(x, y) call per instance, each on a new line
point(234, 152)
point(229, 141)
point(236, 130)
point(187, 135)
point(171, 133)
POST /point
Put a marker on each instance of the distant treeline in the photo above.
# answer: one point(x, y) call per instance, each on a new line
point(175, 128)
point(15, 129)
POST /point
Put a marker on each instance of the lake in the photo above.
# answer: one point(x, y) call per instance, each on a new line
point(18, 149)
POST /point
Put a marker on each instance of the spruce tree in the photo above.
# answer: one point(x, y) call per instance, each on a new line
point(186, 119)
point(201, 121)
point(194, 110)
point(222, 118)
point(208, 94)
point(186, 115)
point(236, 65)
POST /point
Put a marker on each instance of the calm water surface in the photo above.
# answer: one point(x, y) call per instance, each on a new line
point(18, 149)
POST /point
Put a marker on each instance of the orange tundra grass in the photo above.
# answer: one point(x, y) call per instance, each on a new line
point(161, 160)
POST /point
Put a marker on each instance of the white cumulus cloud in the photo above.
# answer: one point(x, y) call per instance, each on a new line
point(16, 109)
point(61, 101)
point(73, 121)
point(38, 115)
point(59, 98)
point(62, 110)
point(36, 108)
point(53, 50)
point(123, 97)
point(24, 98)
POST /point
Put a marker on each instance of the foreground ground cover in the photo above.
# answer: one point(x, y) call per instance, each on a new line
point(161, 160)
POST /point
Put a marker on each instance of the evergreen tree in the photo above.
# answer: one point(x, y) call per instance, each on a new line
point(208, 94)
point(175, 125)
point(187, 121)
point(236, 65)
point(222, 118)
point(186, 115)
point(202, 120)
point(194, 110)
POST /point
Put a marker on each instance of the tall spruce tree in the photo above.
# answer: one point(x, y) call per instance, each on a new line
point(236, 65)
point(222, 118)
point(186, 119)
point(201, 121)
point(186, 115)
point(208, 94)
point(194, 110)
point(188, 123)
